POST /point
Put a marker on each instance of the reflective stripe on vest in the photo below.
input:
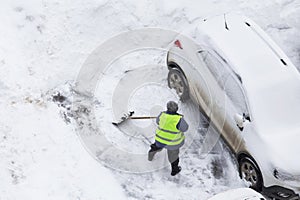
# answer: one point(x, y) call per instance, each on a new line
point(167, 132)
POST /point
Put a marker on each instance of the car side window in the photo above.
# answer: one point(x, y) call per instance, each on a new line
point(235, 93)
point(214, 65)
point(228, 81)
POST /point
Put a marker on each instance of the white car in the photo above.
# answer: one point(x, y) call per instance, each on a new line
point(238, 194)
point(250, 92)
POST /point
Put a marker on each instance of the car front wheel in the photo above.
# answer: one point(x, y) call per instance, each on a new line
point(177, 81)
point(250, 173)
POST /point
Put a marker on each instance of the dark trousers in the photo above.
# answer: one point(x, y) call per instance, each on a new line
point(173, 155)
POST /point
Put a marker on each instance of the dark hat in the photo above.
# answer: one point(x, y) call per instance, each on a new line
point(172, 106)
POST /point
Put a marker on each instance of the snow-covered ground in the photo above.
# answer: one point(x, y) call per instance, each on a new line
point(43, 46)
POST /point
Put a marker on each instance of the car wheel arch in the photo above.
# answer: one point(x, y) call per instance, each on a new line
point(245, 155)
point(173, 65)
point(174, 68)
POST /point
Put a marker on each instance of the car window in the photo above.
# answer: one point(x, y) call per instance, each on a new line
point(228, 80)
point(235, 93)
point(214, 65)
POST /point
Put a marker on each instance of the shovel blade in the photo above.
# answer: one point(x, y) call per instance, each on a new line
point(124, 118)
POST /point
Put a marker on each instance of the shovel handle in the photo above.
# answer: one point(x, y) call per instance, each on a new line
point(147, 117)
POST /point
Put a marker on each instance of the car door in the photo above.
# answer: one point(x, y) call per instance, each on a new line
point(228, 97)
point(200, 81)
point(236, 104)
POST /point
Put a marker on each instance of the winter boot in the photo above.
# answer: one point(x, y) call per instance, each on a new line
point(175, 171)
point(154, 149)
point(175, 168)
point(151, 155)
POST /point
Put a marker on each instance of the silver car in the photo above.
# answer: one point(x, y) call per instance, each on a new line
point(250, 92)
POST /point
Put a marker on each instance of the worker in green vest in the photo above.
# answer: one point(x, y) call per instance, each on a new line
point(169, 135)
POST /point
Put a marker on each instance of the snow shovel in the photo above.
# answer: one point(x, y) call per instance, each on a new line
point(129, 116)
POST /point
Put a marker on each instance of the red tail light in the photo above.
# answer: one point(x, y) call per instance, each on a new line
point(178, 44)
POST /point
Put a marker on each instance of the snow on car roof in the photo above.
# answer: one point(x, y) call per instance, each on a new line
point(271, 81)
point(268, 75)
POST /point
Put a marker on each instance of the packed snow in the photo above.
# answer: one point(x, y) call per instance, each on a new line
point(43, 46)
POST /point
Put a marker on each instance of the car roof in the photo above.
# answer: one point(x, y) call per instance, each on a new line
point(271, 81)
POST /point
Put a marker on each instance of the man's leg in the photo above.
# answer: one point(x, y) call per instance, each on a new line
point(154, 149)
point(173, 156)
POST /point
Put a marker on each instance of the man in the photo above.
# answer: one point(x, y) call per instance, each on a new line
point(169, 135)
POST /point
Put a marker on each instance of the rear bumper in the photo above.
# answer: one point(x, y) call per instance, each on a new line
point(280, 193)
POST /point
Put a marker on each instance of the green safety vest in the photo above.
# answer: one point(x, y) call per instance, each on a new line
point(167, 133)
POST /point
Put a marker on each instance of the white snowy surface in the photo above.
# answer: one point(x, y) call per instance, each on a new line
point(43, 45)
point(239, 193)
point(41, 158)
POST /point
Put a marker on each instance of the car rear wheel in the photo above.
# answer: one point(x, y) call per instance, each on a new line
point(250, 173)
point(178, 82)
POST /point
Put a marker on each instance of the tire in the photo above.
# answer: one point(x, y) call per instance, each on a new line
point(250, 172)
point(177, 81)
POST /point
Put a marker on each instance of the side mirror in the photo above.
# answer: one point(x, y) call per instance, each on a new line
point(247, 117)
point(239, 119)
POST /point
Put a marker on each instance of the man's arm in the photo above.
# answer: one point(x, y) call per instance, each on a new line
point(182, 125)
point(157, 119)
